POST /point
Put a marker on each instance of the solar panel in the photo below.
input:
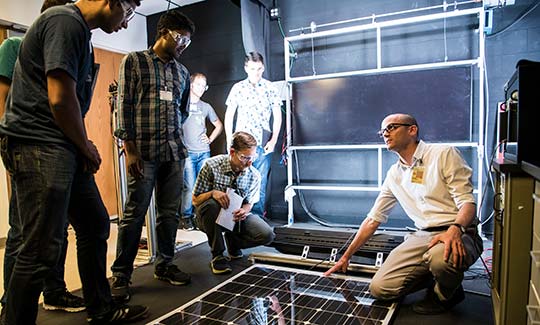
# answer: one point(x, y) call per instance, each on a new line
point(268, 294)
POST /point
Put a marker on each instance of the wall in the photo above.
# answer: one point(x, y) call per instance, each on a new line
point(217, 50)
point(98, 125)
point(123, 41)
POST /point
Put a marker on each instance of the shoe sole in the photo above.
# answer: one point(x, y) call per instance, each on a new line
point(232, 258)
point(176, 283)
point(63, 308)
point(227, 270)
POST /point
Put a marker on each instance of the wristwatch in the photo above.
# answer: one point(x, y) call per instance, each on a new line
point(461, 228)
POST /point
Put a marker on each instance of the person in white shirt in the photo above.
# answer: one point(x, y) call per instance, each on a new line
point(432, 183)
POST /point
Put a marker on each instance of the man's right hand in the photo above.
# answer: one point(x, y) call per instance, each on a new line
point(221, 197)
point(134, 165)
point(92, 158)
point(340, 266)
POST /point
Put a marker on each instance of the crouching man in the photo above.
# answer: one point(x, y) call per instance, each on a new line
point(233, 171)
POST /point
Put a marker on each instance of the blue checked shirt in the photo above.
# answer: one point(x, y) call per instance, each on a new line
point(152, 121)
point(217, 174)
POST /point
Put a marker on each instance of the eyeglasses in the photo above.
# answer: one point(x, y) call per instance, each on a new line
point(391, 127)
point(181, 40)
point(205, 87)
point(129, 12)
point(246, 159)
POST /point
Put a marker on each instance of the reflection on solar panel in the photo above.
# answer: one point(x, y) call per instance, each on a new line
point(267, 294)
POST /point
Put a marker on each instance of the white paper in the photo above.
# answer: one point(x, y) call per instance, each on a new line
point(225, 217)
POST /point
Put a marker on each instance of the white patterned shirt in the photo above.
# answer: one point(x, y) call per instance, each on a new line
point(254, 104)
point(431, 191)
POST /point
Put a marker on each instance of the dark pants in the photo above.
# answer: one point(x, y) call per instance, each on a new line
point(167, 177)
point(48, 184)
point(54, 282)
point(251, 232)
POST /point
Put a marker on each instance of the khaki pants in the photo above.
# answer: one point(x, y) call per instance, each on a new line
point(411, 266)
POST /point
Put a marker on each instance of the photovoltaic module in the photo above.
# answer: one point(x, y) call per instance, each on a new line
point(268, 294)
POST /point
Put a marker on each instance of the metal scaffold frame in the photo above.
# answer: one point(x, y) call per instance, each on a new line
point(477, 62)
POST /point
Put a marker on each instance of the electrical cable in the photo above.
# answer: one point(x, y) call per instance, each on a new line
point(518, 19)
point(346, 244)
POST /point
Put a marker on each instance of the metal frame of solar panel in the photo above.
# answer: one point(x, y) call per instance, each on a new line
point(269, 294)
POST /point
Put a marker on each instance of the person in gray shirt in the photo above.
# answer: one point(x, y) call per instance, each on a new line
point(197, 143)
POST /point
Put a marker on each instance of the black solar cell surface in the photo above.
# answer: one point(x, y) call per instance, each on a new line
point(267, 294)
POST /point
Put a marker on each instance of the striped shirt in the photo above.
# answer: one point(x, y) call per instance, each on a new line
point(146, 113)
point(217, 174)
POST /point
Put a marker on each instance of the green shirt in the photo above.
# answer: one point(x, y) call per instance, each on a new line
point(8, 55)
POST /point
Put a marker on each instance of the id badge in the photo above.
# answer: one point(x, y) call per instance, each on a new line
point(165, 95)
point(417, 175)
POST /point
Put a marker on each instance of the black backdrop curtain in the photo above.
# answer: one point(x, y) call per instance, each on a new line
point(256, 28)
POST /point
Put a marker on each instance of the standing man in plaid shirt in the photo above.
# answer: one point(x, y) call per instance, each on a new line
point(153, 93)
point(234, 171)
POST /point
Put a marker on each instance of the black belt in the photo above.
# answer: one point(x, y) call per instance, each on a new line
point(437, 228)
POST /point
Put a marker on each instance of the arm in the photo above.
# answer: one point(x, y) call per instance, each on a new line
point(457, 175)
point(452, 237)
point(229, 116)
point(133, 160)
point(5, 84)
point(366, 230)
point(218, 127)
point(221, 197)
point(276, 127)
point(62, 92)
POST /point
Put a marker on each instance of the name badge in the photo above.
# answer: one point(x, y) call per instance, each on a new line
point(417, 175)
point(165, 95)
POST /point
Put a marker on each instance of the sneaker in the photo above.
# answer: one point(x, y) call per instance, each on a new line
point(220, 265)
point(234, 253)
point(432, 305)
point(173, 275)
point(120, 289)
point(65, 301)
point(120, 314)
point(188, 223)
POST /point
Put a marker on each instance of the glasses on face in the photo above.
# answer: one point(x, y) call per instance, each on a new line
point(391, 127)
point(245, 159)
point(205, 87)
point(181, 40)
point(129, 12)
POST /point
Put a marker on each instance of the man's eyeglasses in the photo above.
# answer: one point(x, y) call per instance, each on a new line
point(181, 40)
point(391, 127)
point(129, 12)
point(205, 87)
point(246, 159)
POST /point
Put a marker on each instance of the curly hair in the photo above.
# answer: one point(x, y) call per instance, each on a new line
point(174, 20)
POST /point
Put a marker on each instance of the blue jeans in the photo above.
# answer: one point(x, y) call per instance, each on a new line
point(166, 177)
point(49, 186)
point(194, 163)
point(262, 163)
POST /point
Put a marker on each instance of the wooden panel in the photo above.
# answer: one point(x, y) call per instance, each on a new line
point(98, 125)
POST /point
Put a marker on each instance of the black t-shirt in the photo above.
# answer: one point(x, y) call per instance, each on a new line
point(58, 39)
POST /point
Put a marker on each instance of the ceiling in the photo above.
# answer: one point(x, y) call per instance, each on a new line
point(150, 7)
